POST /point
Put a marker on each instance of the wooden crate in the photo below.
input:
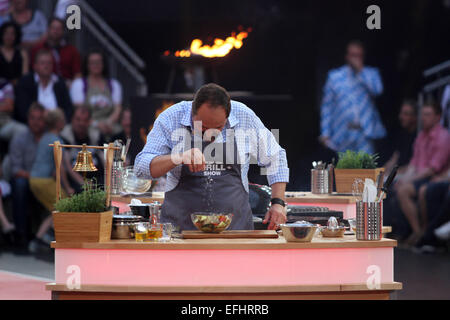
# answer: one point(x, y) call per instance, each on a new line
point(345, 177)
point(82, 227)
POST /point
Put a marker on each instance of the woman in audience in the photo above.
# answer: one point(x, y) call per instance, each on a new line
point(32, 22)
point(102, 94)
point(42, 181)
point(13, 60)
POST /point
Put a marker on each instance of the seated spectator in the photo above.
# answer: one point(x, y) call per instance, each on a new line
point(32, 22)
point(434, 204)
point(66, 59)
point(8, 126)
point(404, 140)
point(431, 157)
point(7, 227)
point(79, 132)
point(13, 60)
point(43, 86)
point(100, 93)
point(42, 180)
point(22, 151)
point(4, 10)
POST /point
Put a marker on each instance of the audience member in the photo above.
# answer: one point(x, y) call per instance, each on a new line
point(32, 22)
point(8, 126)
point(431, 157)
point(22, 151)
point(100, 93)
point(61, 8)
point(404, 140)
point(79, 132)
point(42, 86)
point(42, 180)
point(445, 104)
point(434, 205)
point(13, 60)
point(7, 227)
point(66, 59)
point(349, 118)
point(4, 10)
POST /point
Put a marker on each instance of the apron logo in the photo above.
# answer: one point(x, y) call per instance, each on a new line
point(214, 169)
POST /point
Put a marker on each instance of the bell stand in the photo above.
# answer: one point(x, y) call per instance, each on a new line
point(57, 154)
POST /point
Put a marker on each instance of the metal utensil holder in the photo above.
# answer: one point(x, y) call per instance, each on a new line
point(369, 220)
point(320, 181)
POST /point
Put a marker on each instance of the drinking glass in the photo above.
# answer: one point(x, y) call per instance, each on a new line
point(155, 232)
point(167, 229)
point(141, 231)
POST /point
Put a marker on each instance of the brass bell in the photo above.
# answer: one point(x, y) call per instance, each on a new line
point(84, 161)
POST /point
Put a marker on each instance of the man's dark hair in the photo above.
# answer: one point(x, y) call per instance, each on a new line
point(82, 108)
point(433, 105)
point(42, 52)
point(357, 43)
point(85, 67)
point(214, 95)
point(36, 106)
point(412, 103)
point(53, 19)
point(17, 31)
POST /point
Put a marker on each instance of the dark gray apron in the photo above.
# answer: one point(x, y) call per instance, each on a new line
point(218, 189)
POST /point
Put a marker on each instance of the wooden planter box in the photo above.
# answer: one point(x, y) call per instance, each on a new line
point(82, 227)
point(345, 177)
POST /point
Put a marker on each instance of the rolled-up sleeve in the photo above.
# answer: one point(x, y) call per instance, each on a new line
point(158, 143)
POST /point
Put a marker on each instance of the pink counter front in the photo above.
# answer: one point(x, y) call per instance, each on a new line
point(326, 268)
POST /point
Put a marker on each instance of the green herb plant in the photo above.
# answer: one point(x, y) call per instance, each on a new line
point(91, 199)
point(357, 160)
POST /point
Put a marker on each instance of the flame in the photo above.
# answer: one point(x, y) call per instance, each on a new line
point(220, 48)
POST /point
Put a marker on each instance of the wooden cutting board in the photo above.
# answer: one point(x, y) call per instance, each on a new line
point(231, 234)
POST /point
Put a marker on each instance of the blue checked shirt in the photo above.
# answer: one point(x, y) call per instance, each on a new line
point(348, 98)
point(253, 141)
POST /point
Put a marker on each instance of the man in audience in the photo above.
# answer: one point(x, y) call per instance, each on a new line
point(404, 140)
point(349, 119)
point(8, 126)
point(434, 205)
point(431, 157)
point(78, 132)
point(43, 86)
point(66, 59)
point(22, 152)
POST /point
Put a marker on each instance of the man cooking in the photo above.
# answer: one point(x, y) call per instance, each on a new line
point(205, 147)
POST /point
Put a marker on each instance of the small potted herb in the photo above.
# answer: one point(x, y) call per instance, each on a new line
point(83, 217)
point(355, 165)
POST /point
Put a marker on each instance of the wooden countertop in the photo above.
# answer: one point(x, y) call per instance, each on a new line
point(291, 196)
point(227, 289)
point(230, 244)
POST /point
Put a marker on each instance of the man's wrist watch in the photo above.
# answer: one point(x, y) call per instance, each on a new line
point(278, 201)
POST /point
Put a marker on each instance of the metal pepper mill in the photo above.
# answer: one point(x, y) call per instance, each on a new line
point(117, 169)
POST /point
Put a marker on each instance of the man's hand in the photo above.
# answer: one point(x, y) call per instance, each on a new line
point(324, 141)
point(193, 158)
point(276, 215)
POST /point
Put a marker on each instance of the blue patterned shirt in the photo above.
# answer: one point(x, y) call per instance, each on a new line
point(348, 99)
point(253, 141)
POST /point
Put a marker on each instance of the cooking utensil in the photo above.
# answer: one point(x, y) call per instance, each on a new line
point(388, 183)
point(358, 188)
point(211, 222)
point(125, 152)
point(300, 231)
point(123, 226)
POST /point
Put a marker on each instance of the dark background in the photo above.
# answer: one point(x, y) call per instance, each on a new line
point(292, 46)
